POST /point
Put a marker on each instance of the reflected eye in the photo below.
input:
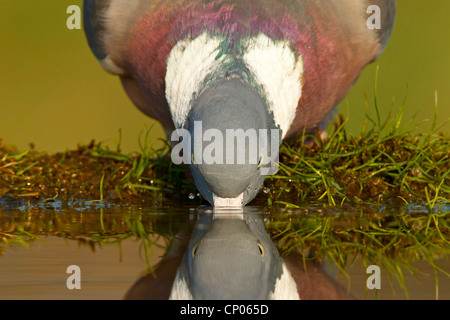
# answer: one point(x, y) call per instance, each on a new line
point(194, 250)
point(261, 249)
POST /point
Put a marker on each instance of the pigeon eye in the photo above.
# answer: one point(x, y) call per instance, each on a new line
point(194, 250)
point(261, 249)
point(260, 161)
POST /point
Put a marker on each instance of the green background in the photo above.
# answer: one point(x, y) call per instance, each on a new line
point(54, 93)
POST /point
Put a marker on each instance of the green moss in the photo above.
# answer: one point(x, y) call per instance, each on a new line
point(372, 167)
point(92, 173)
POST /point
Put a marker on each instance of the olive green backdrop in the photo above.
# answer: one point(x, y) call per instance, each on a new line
point(53, 92)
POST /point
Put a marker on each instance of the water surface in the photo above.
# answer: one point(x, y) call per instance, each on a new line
point(116, 246)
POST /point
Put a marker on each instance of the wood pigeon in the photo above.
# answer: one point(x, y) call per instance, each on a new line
point(236, 78)
point(230, 256)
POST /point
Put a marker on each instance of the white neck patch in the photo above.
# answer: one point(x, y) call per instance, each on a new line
point(188, 65)
point(275, 68)
point(285, 287)
point(180, 290)
point(273, 65)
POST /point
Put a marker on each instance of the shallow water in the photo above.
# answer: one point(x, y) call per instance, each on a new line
point(115, 245)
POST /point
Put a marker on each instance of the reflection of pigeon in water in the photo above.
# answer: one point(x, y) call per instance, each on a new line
point(250, 65)
point(231, 256)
